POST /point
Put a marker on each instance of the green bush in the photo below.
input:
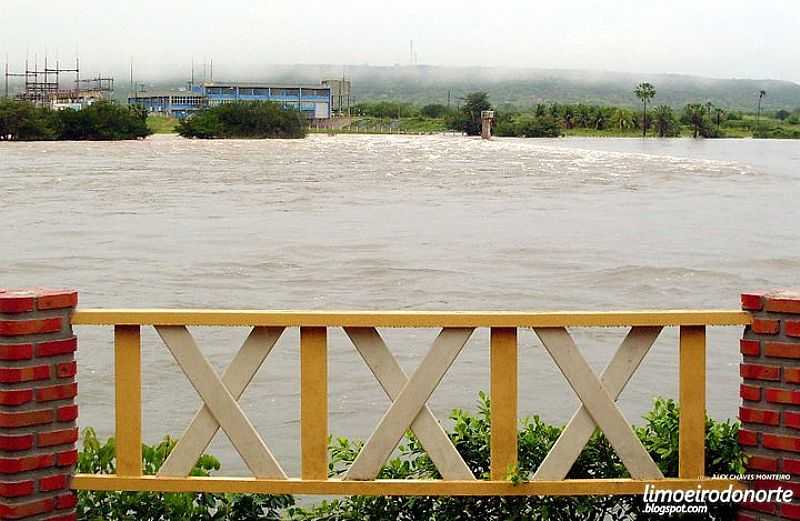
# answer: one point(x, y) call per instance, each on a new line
point(385, 109)
point(468, 118)
point(434, 110)
point(527, 125)
point(471, 436)
point(253, 120)
point(597, 461)
point(102, 121)
point(777, 133)
point(98, 458)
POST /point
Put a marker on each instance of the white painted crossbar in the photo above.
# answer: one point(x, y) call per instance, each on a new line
point(408, 404)
point(390, 375)
point(236, 378)
point(598, 402)
point(581, 426)
point(220, 402)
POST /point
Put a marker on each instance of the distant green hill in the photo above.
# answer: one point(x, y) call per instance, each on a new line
point(524, 87)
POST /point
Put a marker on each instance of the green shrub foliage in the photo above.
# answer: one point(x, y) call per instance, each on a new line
point(102, 121)
point(387, 109)
point(252, 120)
point(468, 118)
point(98, 458)
point(471, 435)
point(527, 125)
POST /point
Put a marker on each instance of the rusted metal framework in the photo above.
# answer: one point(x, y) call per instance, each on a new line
point(43, 85)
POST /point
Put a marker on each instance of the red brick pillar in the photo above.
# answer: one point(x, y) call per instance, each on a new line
point(38, 414)
point(770, 391)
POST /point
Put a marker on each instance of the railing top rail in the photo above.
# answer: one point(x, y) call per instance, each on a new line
point(295, 318)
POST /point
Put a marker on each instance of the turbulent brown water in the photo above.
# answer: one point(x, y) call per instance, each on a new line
point(395, 222)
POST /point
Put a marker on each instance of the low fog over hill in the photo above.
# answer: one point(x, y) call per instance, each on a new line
point(523, 87)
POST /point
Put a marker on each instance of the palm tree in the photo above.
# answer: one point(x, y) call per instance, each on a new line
point(645, 92)
point(663, 120)
point(719, 112)
point(761, 94)
point(621, 119)
point(569, 117)
point(599, 118)
point(695, 113)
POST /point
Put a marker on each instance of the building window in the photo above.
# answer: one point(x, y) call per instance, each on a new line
point(286, 92)
point(316, 92)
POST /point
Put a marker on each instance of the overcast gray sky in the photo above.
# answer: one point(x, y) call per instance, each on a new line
point(718, 38)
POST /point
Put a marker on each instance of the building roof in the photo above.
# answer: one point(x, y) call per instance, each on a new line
point(263, 85)
point(164, 94)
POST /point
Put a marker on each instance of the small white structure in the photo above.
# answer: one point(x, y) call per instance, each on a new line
point(487, 117)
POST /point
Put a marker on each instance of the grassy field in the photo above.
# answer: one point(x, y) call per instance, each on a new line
point(368, 125)
point(162, 124)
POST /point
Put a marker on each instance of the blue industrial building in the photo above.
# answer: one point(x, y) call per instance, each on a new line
point(177, 104)
point(314, 101)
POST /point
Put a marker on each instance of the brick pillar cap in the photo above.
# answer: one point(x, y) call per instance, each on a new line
point(776, 300)
point(787, 294)
point(27, 299)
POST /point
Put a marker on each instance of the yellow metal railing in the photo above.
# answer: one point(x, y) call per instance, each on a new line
point(409, 395)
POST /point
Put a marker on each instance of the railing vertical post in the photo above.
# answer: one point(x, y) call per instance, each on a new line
point(503, 444)
point(38, 414)
point(128, 399)
point(314, 402)
point(692, 396)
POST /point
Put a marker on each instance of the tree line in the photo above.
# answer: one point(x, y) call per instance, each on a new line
point(107, 121)
point(551, 120)
point(101, 121)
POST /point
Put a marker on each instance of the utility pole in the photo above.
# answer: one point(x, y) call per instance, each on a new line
point(10, 74)
point(341, 95)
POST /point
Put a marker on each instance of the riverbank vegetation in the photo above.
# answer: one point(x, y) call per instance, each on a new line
point(655, 119)
point(248, 120)
point(101, 121)
point(470, 434)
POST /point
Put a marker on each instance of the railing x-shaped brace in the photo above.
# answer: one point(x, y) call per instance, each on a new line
point(220, 397)
point(597, 408)
point(409, 408)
